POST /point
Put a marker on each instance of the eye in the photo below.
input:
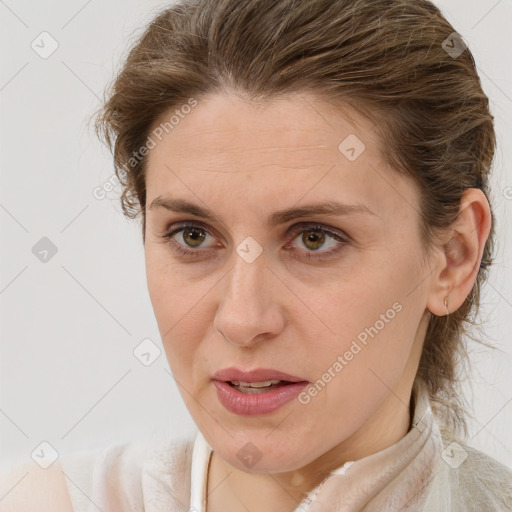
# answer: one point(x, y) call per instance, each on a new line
point(188, 239)
point(315, 236)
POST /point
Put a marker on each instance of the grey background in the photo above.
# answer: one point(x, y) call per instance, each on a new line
point(69, 325)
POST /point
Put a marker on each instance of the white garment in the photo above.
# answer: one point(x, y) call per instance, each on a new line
point(201, 458)
point(416, 474)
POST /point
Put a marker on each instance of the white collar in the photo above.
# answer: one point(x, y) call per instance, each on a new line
point(418, 453)
point(199, 473)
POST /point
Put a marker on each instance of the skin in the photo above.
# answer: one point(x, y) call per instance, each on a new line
point(283, 310)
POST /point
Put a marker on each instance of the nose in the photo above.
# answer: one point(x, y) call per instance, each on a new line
point(249, 310)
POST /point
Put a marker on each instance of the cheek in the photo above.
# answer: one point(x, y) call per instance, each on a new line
point(370, 320)
point(355, 369)
point(168, 299)
point(180, 309)
point(167, 289)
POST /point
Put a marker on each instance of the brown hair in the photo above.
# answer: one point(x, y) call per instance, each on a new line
point(390, 59)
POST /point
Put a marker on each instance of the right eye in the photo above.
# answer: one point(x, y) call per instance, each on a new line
point(191, 235)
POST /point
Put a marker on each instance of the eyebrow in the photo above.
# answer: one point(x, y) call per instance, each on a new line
point(330, 208)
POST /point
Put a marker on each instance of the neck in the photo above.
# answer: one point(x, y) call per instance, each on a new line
point(230, 489)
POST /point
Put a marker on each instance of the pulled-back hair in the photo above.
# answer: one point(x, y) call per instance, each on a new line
point(399, 62)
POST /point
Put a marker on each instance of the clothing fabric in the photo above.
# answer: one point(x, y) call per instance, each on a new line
point(426, 471)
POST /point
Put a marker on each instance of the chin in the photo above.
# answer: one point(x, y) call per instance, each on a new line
point(257, 454)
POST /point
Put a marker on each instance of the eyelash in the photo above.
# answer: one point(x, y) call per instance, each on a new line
point(298, 229)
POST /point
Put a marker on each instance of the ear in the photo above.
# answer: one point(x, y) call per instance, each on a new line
point(460, 253)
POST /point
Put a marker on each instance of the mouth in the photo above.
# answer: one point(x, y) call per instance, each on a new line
point(259, 378)
point(270, 385)
point(258, 392)
point(257, 387)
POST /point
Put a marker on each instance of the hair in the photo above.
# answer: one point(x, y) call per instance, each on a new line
point(388, 59)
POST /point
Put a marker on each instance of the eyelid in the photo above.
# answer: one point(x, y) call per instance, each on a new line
point(175, 227)
point(312, 226)
point(341, 237)
point(171, 231)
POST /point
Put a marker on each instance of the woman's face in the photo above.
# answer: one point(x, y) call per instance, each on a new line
point(337, 300)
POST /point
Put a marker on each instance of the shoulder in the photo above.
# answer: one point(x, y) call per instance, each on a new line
point(29, 488)
point(111, 478)
point(475, 479)
point(108, 477)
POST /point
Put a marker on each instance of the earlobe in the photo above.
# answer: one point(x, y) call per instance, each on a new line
point(446, 305)
point(461, 255)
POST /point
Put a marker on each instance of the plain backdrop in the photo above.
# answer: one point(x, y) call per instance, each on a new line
point(73, 297)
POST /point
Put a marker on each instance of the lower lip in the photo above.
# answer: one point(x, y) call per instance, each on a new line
point(257, 403)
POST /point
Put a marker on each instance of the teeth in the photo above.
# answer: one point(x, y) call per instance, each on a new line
point(263, 384)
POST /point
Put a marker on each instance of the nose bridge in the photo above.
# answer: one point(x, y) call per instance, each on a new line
point(245, 288)
point(247, 305)
point(247, 272)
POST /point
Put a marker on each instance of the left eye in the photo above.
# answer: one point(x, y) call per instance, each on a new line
point(313, 237)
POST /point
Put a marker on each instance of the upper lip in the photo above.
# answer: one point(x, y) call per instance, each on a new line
point(256, 375)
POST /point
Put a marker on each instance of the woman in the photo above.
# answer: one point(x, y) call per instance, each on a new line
point(312, 180)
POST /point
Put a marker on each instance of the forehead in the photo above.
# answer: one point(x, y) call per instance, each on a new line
point(299, 145)
point(298, 126)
